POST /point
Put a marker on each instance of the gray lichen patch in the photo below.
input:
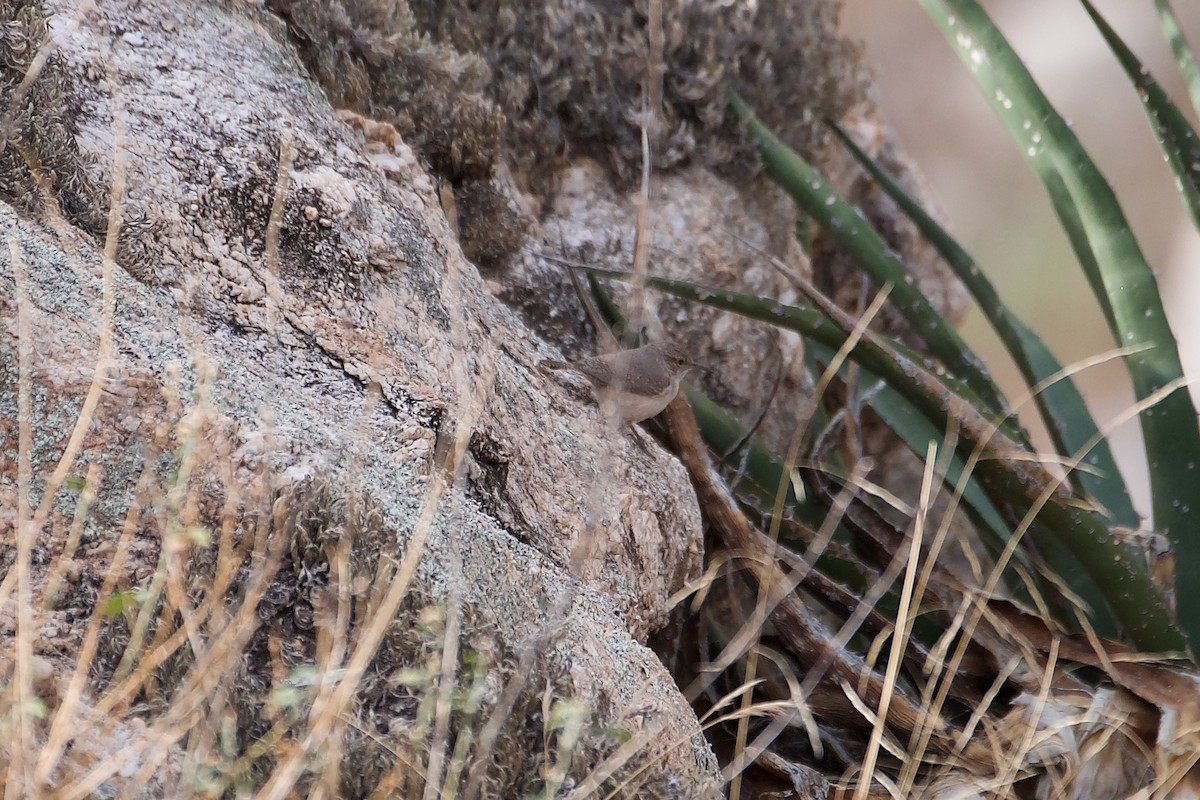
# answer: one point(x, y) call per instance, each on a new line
point(571, 75)
point(42, 168)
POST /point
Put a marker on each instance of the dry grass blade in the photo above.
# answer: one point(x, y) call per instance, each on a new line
point(766, 602)
point(19, 768)
point(59, 729)
point(903, 621)
point(221, 659)
point(1062, 732)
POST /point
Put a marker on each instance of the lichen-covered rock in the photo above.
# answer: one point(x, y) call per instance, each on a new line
point(38, 125)
point(309, 344)
point(528, 87)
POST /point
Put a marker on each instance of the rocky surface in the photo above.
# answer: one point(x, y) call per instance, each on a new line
point(355, 347)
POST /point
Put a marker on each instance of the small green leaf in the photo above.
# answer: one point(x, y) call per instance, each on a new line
point(567, 714)
point(117, 603)
point(36, 708)
point(289, 697)
point(198, 535)
point(620, 734)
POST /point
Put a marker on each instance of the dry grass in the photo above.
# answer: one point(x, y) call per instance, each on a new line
point(1003, 703)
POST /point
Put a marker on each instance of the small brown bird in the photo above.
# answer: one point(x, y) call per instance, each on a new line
point(634, 385)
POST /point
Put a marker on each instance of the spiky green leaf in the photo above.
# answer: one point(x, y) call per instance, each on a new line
point(1116, 269)
point(1061, 405)
point(1175, 136)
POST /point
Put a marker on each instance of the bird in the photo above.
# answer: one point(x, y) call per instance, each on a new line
point(633, 385)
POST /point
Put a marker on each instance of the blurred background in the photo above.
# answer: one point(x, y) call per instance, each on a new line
point(995, 206)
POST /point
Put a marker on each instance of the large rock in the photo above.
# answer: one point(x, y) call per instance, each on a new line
point(336, 370)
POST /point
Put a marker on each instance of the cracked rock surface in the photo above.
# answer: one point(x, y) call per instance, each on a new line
point(307, 308)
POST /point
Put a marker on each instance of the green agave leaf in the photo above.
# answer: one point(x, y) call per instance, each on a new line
point(917, 432)
point(1061, 406)
point(1184, 56)
point(846, 223)
point(604, 303)
point(1012, 484)
point(1175, 136)
point(721, 431)
point(1118, 273)
point(837, 563)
